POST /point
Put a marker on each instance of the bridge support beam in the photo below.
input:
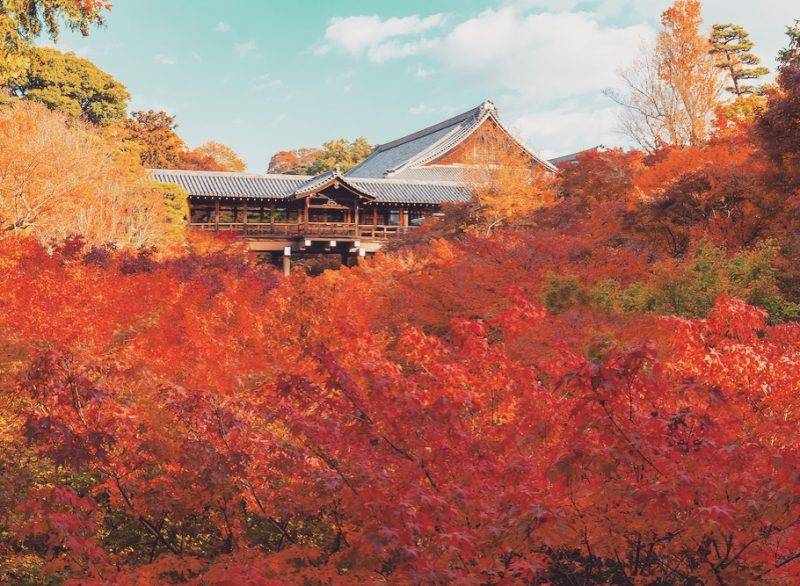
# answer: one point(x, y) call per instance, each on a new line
point(287, 261)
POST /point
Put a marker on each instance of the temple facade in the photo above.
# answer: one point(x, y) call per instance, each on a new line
point(391, 192)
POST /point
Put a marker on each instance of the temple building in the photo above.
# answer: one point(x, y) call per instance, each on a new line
point(392, 191)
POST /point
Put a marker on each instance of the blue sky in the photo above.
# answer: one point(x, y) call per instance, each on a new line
point(269, 75)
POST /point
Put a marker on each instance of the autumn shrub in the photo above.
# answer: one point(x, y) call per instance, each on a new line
point(59, 178)
point(688, 287)
point(200, 419)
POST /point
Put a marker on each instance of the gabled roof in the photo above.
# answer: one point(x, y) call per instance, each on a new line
point(412, 152)
point(326, 179)
point(285, 187)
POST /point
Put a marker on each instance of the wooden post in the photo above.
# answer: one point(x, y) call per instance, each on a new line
point(244, 217)
point(355, 215)
point(374, 221)
point(287, 261)
point(216, 215)
point(308, 203)
point(272, 217)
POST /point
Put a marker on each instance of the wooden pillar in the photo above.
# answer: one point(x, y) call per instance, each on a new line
point(374, 221)
point(305, 212)
point(287, 261)
point(355, 216)
point(216, 215)
point(244, 216)
point(271, 216)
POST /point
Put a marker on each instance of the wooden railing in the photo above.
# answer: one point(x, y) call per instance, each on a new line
point(294, 229)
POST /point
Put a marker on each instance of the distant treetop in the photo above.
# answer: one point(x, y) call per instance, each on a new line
point(732, 49)
point(339, 153)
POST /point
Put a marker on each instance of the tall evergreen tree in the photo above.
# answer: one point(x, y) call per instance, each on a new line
point(792, 51)
point(731, 47)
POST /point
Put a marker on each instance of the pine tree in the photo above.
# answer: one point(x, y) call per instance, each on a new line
point(791, 52)
point(731, 47)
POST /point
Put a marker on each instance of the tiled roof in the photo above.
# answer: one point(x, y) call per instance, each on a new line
point(573, 157)
point(220, 184)
point(403, 191)
point(455, 173)
point(428, 144)
point(314, 183)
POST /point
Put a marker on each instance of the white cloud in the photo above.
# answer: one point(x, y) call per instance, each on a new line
point(547, 55)
point(380, 39)
point(222, 27)
point(245, 49)
point(394, 50)
point(541, 55)
point(567, 128)
point(545, 62)
point(421, 72)
point(423, 109)
point(265, 83)
point(165, 59)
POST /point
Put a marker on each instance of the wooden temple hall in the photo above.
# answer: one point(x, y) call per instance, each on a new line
point(391, 192)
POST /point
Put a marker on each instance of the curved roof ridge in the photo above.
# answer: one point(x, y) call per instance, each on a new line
point(228, 174)
point(401, 181)
point(433, 128)
point(433, 150)
point(430, 153)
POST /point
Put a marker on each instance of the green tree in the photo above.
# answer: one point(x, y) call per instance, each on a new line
point(340, 153)
point(152, 135)
point(65, 82)
point(176, 205)
point(792, 51)
point(731, 47)
point(23, 20)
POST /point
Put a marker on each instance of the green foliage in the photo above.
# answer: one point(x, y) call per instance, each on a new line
point(65, 82)
point(339, 153)
point(688, 288)
point(732, 48)
point(792, 50)
point(23, 20)
point(176, 201)
point(562, 292)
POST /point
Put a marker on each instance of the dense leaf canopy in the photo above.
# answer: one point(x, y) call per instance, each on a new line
point(576, 379)
point(70, 84)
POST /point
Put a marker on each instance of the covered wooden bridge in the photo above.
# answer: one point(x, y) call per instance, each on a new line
point(400, 184)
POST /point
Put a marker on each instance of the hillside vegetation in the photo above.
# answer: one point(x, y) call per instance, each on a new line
point(587, 378)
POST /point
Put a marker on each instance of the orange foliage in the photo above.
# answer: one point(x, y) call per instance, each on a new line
point(59, 178)
point(228, 423)
point(529, 406)
point(507, 186)
point(212, 156)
